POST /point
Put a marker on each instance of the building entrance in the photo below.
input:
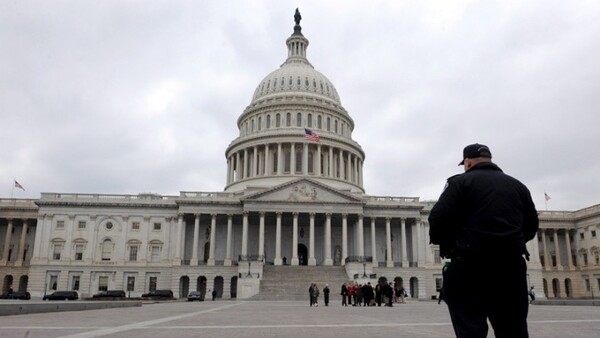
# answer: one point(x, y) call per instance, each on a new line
point(302, 254)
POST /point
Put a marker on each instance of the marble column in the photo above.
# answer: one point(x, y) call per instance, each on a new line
point(295, 260)
point(194, 260)
point(267, 168)
point(305, 158)
point(245, 236)
point(388, 243)
point(255, 162)
point(328, 260)
point(559, 265)
point(373, 242)
point(330, 164)
point(245, 171)
point(547, 261)
point(311, 257)
point(319, 164)
point(403, 235)
point(178, 241)
point(213, 231)
point(279, 159)
point(420, 243)
point(7, 237)
point(238, 167)
point(569, 256)
point(227, 261)
point(344, 238)
point(361, 234)
point(292, 159)
point(278, 259)
point(261, 236)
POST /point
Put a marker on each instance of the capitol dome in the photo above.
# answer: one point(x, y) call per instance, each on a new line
point(291, 103)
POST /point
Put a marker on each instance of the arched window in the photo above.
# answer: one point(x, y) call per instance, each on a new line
point(319, 122)
point(268, 121)
point(309, 120)
point(278, 120)
point(286, 159)
point(259, 122)
point(252, 125)
point(310, 162)
point(298, 160)
point(335, 127)
point(288, 120)
point(107, 248)
point(328, 123)
point(298, 120)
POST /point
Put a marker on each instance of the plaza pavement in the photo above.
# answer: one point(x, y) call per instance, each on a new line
point(282, 319)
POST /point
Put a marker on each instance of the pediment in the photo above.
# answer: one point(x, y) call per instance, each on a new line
point(303, 191)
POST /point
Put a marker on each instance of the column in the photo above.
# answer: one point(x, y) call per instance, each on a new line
point(255, 162)
point(344, 238)
point(349, 168)
point(361, 234)
point(420, 243)
point(330, 164)
point(278, 260)
point(238, 168)
point(355, 170)
point(341, 164)
point(295, 240)
point(569, 256)
point(536, 249)
point(245, 171)
point(39, 234)
point(20, 257)
point(267, 161)
point(328, 260)
point(228, 251)
point(279, 160)
point(403, 234)
point(7, 242)
point(261, 236)
point(211, 249)
point(178, 242)
point(293, 159)
point(388, 242)
point(245, 236)
point(311, 256)
point(547, 261)
point(373, 242)
point(305, 158)
point(318, 159)
point(194, 260)
point(557, 251)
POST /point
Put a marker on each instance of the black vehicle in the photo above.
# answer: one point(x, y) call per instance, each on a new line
point(159, 294)
point(111, 294)
point(62, 295)
point(195, 295)
point(17, 295)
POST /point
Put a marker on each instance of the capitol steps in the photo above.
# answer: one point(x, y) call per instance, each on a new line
point(292, 282)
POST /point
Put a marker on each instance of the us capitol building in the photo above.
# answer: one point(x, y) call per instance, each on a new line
point(292, 207)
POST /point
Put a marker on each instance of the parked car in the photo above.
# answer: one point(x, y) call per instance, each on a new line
point(62, 295)
point(17, 295)
point(195, 295)
point(159, 294)
point(110, 294)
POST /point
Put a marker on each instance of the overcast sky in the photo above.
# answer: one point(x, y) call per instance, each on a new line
point(143, 96)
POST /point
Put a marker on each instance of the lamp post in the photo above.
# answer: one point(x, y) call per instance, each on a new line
point(364, 270)
point(249, 274)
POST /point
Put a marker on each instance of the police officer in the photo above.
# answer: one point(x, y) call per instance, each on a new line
point(482, 221)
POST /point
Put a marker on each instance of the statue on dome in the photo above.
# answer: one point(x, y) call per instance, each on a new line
point(297, 17)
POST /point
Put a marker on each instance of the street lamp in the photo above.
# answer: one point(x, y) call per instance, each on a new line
point(249, 274)
point(364, 270)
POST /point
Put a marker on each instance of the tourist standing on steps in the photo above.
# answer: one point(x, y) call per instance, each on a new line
point(482, 221)
point(326, 294)
point(311, 294)
point(315, 292)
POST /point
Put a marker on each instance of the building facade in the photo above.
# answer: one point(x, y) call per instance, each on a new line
point(289, 199)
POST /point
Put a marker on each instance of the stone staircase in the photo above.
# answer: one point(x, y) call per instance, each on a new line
point(287, 282)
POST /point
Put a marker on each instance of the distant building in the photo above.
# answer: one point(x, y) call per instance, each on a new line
point(294, 189)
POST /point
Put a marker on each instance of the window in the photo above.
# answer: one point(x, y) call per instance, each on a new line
point(81, 224)
point(329, 124)
point(593, 233)
point(53, 285)
point(286, 159)
point(585, 259)
point(275, 161)
point(252, 125)
point(152, 284)
point(288, 120)
point(109, 225)
point(268, 121)
point(298, 120)
point(78, 252)
point(60, 224)
point(436, 256)
point(438, 283)
point(133, 250)
point(310, 162)
point(135, 226)
point(157, 226)
point(107, 247)
point(130, 283)
point(56, 251)
point(102, 283)
point(582, 235)
point(259, 123)
point(587, 285)
point(277, 120)
point(597, 258)
point(298, 161)
point(75, 283)
point(551, 239)
point(319, 122)
point(155, 253)
point(335, 127)
point(309, 121)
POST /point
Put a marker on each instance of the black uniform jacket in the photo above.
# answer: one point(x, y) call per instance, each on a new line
point(483, 211)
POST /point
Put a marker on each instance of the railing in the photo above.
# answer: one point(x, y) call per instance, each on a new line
point(107, 197)
point(359, 259)
point(391, 199)
point(251, 258)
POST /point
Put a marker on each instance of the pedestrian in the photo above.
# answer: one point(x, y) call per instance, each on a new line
point(214, 294)
point(311, 294)
point(326, 294)
point(482, 221)
point(315, 292)
point(531, 294)
point(284, 260)
point(378, 294)
point(344, 293)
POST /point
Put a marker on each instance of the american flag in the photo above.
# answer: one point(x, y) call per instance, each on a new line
point(546, 197)
point(311, 135)
point(18, 185)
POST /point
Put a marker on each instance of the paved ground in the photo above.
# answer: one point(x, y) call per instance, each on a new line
point(282, 319)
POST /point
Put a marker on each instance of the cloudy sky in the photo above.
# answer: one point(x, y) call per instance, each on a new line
point(143, 96)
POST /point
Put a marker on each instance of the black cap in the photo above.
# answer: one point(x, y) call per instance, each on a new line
point(475, 150)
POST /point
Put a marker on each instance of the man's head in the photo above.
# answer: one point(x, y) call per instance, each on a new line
point(474, 154)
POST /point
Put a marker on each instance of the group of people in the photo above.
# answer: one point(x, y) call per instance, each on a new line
point(366, 295)
point(313, 293)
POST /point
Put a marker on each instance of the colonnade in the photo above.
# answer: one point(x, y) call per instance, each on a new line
point(556, 261)
point(310, 159)
point(419, 252)
point(7, 257)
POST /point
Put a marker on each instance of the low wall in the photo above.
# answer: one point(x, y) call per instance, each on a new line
point(21, 307)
